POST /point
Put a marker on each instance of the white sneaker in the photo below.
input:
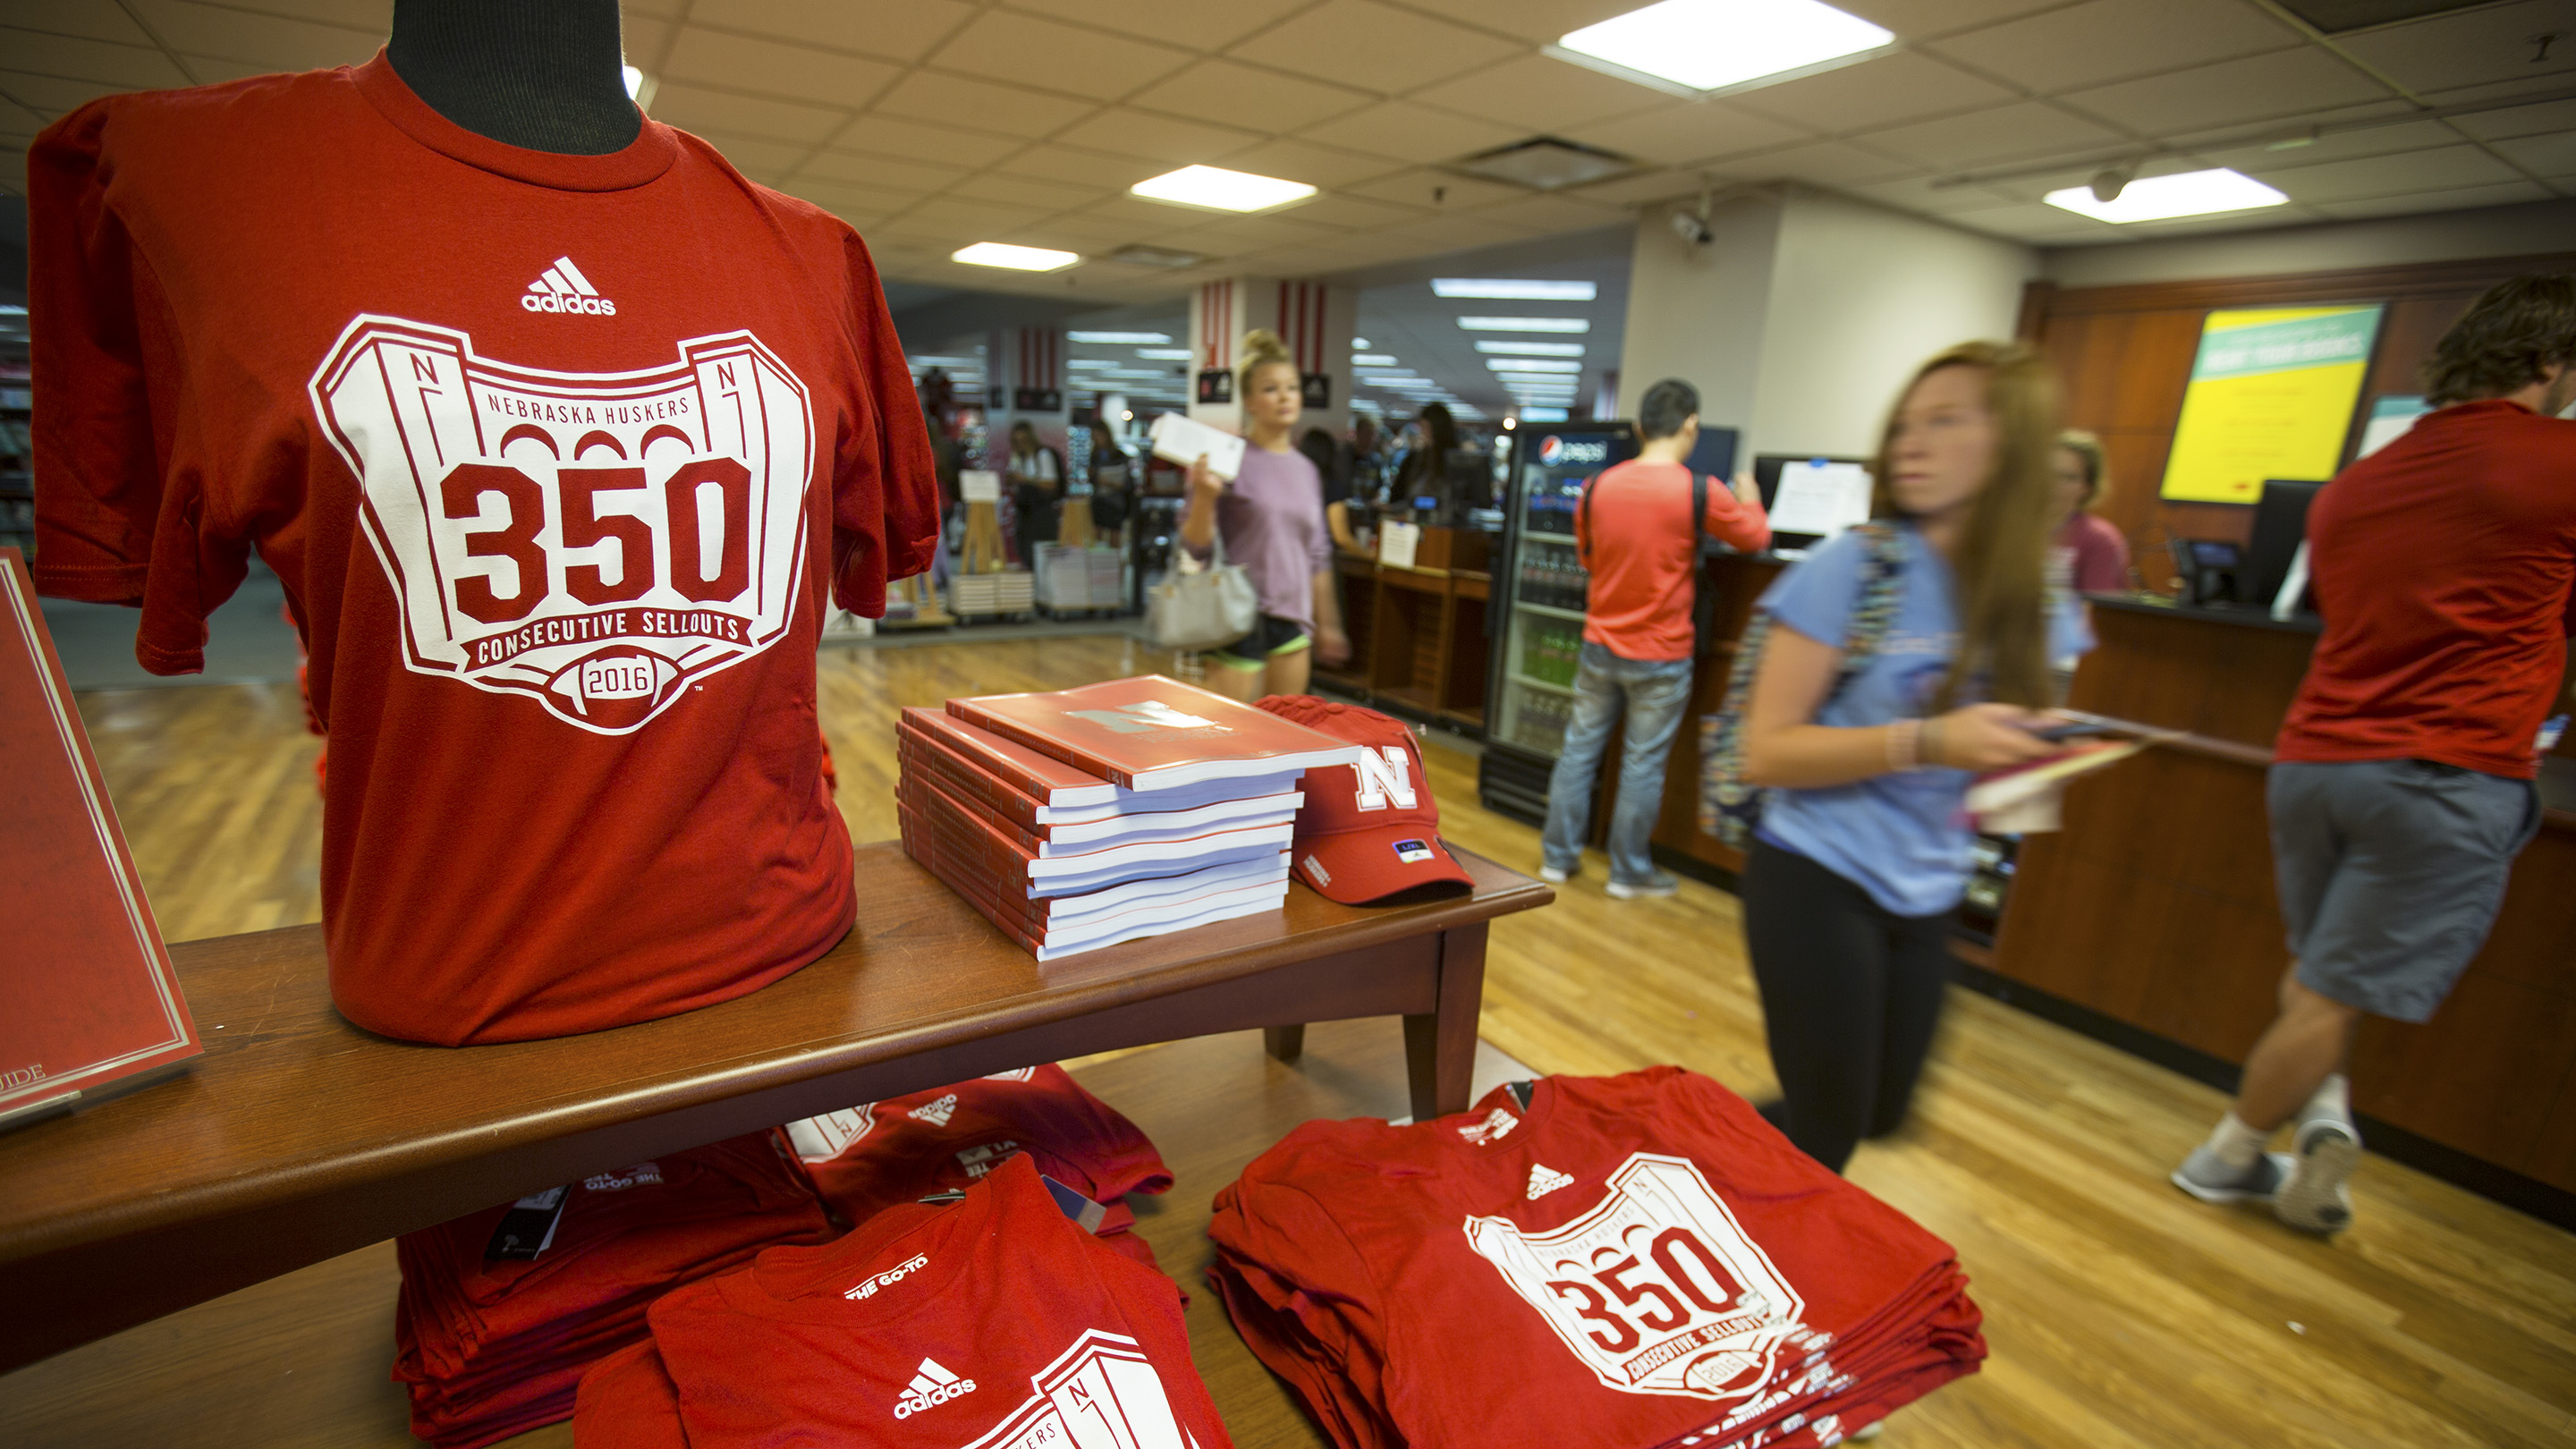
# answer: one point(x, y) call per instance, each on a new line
point(2316, 1195)
point(1654, 887)
point(1553, 876)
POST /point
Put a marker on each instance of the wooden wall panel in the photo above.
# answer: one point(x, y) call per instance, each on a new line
point(2479, 1076)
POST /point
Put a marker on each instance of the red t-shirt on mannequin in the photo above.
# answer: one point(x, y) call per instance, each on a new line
point(559, 458)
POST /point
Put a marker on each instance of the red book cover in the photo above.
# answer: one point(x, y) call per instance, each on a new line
point(1049, 779)
point(1011, 860)
point(87, 996)
point(1153, 733)
point(985, 796)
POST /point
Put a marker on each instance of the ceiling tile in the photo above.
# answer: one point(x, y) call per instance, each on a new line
point(1906, 86)
point(1550, 214)
point(1049, 54)
point(1026, 191)
point(2441, 167)
point(1924, 19)
point(2028, 129)
point(1826, 163)
point(1095, 232)
point(1324, 166)
point(50, 96)
point(644, 39)
point(1919, 194)
point(17, 121)
point(2498, 93)
point(2332, 146)
point(665, 8)
point(1193, 23)
point(983, 218)
point(1144, 216)
point(898, 29)
point(848, 201)
point(854, 169)
point(127, 67)
point(2287, 84)
point(2108, 40)
point(895, 136)
point(2520, 120)
point(1436, 190)
point(1689, 131)
point(2472, 47)
point(374, 16)
point(90, 22)
point(1133, 133)
point(2550, 155)
point(1413, 133)
point(1652, 186)
point(1356, 213)
point(794, 72)
point(268, 40)
point(2032, 221)
point(210, 71)
point(1541, 93)
point(1230, 93)
point(2453, 199)
point(1243, 233)
point(757, 158)
point(1362, 43)
point(696, 108)
point(980, 105)
point(1067, 163)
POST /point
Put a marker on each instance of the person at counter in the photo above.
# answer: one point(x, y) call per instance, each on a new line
point(1862, 854)
point(2445, 570)
point(2086, 547)
point(1635, 533)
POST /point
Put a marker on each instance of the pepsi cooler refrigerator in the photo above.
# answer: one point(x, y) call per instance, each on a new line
point(1530, 690)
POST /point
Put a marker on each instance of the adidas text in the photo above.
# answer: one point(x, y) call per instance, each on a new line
point(931, 1386)
point(562, 288)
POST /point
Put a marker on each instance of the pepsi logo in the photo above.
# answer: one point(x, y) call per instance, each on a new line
point(1551, 448)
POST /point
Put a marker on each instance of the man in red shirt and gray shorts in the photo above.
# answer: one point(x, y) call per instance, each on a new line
point(2402, 788)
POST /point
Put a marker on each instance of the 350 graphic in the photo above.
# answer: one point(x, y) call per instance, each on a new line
point(1684, 1263)
point(705, 564)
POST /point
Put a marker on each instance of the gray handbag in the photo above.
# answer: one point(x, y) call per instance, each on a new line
point(1205, 608)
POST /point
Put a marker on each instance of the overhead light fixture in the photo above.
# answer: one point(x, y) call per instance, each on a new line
point(1531, 349)
point(1526, 324)
point(1165, 354)
point(2161, 198)
point(639, 88)
point(1697, 47)
point(1543, 415)
point(1359, 344)
point(1516, 288)
point(1373, 359)
point(1018, 259)
point(1121, 339)
point(1532, 364)
point(1217, 189)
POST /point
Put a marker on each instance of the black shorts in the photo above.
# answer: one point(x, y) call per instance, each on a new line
point(1271, 637)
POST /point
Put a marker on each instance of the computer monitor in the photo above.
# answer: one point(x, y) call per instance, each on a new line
point(2280, 526)
point(1824, 496)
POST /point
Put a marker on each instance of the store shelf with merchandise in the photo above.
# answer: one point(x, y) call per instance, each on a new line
point(17, 477)
point(1419, 632)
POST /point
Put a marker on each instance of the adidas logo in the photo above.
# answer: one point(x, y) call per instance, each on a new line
point(1545, 1179)
point(562, 288)
point(936, 1113)
point(931, 1386)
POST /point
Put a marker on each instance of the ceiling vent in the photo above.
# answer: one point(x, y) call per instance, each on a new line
point(1545, 163)
point(1170, 258)
point(2334, 17)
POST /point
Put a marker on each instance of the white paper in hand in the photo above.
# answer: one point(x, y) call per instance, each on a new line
point(1820, 497)
point(1185, 440)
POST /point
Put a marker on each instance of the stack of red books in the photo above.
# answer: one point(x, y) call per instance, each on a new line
point(1080, 818)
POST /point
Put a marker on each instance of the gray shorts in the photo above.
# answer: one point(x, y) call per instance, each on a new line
point(2391, 872)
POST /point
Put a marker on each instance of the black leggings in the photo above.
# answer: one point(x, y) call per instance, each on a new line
point(1851, 993)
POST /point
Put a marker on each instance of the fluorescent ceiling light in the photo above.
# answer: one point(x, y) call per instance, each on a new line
point(1373, 359)
point(1018, 259)
point(1542, 415)
point(1165, 354)
point(1531, 349)
point(1359, 344)
point(1709, 45)
point(1532, 364)
point(2158, 198)
point(1123, 339)
point(1515, 288)
point(922, 361)
point(634, 81)
point(1091, 362)
point(1526, 324)
point(1218, 189)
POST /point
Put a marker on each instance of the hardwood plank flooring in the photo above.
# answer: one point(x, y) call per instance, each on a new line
point(2120, 1312)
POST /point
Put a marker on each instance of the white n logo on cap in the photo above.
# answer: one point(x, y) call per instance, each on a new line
point(1384, 772)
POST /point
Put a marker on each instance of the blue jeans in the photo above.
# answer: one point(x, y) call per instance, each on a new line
point(1653, 693)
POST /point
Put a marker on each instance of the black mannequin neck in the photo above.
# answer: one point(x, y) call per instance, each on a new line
point(543, 75)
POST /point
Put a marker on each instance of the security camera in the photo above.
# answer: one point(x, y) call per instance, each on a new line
point(2110, 181)
point(1691, 229)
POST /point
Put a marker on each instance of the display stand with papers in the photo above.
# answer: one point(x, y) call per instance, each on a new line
point(298, 1137)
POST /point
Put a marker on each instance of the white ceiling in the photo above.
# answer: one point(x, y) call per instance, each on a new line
point(932, 123)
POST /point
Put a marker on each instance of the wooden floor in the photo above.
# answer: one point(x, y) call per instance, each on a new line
point(2120, 1313)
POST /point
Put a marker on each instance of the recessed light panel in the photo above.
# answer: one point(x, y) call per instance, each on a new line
point(1165, 354)
point(1711, 45)
point(1122, 339)
point(1530, 349)
point(1542, 415)
point(1018, 259)
point(1218, 189)
point(2161, 198)
point(1531, 364)
point(1525, 324)
point(1517, 288)
point(1373, 359)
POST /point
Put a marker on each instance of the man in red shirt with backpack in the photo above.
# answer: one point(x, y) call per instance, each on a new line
point(2401, 789)
point(1634, 531)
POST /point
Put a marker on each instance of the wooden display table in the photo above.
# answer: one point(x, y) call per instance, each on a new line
point(298, 1137)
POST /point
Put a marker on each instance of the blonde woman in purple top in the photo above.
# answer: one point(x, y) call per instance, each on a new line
point(1272, 518)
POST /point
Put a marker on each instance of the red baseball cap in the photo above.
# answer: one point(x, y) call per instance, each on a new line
point(1370, 830)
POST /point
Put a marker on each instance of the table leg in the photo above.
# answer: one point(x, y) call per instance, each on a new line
point(1440, 1045)
point(1284, 1043)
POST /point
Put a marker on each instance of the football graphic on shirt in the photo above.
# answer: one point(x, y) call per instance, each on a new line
point(1657, 1289)
point(595, 542)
